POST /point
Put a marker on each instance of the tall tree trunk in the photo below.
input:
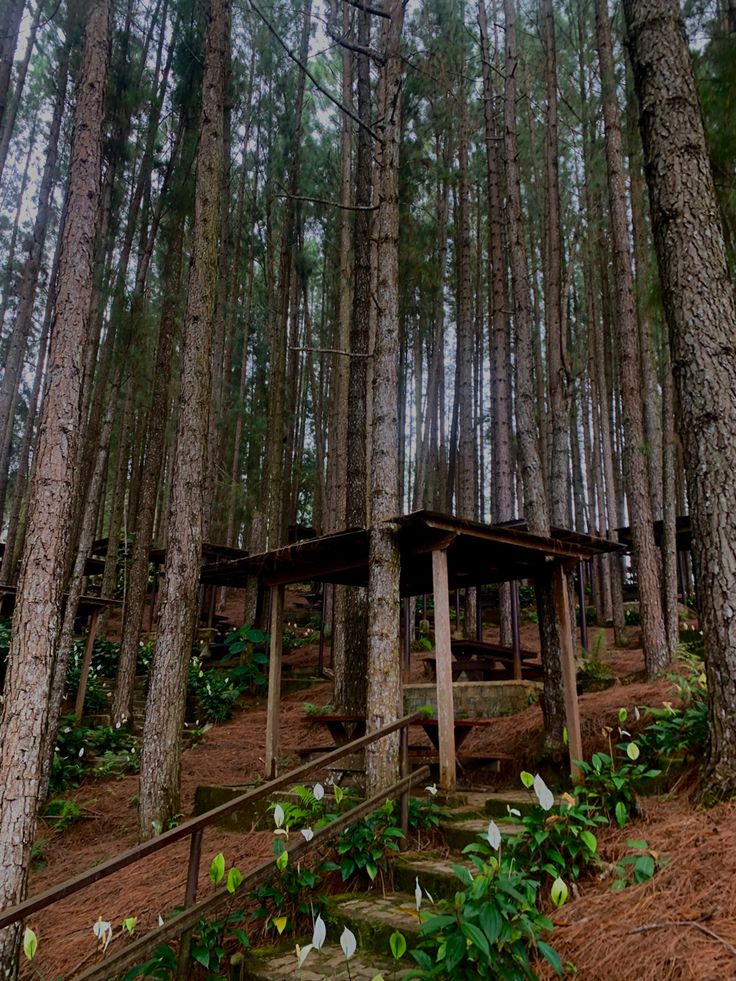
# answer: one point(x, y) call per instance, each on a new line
point(11, 107)
point(537, 514)
point(701, 315)
point(40, 588)
point(384, 701)
point(161, 751)
point(646, 559)
point(502, 496)
point(352, 605)
point(31, 268)
point(558, 396)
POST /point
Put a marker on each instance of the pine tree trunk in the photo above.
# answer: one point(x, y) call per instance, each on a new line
point(701, 316)
point(38, 608)
point(646, 559)
point(384, 701)
point(160, 755)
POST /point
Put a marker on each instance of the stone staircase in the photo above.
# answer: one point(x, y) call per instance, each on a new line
point(373, 917)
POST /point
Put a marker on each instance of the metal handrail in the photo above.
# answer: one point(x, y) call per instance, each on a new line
point(194, 827)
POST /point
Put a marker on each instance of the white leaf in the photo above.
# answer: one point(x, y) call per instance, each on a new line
point(319, 791)
point(418, 894)
point(100, 928)
point(348, 943)
point(493, 835)
point(319, 933)
point(302, 953)
point(544, 795)
point(308, 834)
point(278, 815)
point(432, 789)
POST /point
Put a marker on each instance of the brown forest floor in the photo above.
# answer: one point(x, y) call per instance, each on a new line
point(680, 925)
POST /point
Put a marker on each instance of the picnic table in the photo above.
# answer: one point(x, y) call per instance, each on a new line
point(480, 661)
point(344, 728)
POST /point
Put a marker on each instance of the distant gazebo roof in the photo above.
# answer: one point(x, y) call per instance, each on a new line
point(477, 553)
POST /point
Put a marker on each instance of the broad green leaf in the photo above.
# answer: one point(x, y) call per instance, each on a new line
point(397, 943)
point(632, 751)
point(217, 868)
point(559, 892)
point(590, 840)
point(476, 936)
point(622, 815)
point(622, 715)
point(280, 923)
point(550, 955)
point(234, 878)
point(527, 779)
point(30, 943)
point(282, 861)
point(129, 924)
point(633, 843)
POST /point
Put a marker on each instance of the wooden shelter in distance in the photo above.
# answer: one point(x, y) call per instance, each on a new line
point(439, 552)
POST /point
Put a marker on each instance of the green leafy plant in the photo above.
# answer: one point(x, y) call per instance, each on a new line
point(591, 661)
point(683, 730)
point(491, 929)
point(560, 842)
point(364, 847)
point(612, 780)
point(215, 693)
point(246, 659)
point(62, 813)
point(161, 966)
point(639, 866)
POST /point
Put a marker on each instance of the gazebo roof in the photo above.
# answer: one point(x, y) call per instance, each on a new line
point(477, 553)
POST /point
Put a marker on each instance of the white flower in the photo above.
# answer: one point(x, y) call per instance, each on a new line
point(418, 894)
point(319, 933)
point(302, 953)
point(81, 752)
point(513, 811)
point(103, 931)
point(348, 943)
point(278, 815)
point(544, 795)
point(319, 791)
point(432, 789)
point(308, 834)
point(493, 835)
point(160, 920)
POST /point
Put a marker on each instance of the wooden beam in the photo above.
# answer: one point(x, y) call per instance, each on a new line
point(86, 664)
point(443, 655)
point(569, 679)
point(274, 682)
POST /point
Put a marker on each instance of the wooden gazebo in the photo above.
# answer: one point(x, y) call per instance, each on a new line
point(438, 552)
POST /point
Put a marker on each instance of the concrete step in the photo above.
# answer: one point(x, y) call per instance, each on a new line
point(374, 917)
point(466, 831)
point(435, 874)
point(329, 962)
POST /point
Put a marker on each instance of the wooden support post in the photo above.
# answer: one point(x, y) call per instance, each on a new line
point(274, 681)
point(407, 641)
point(515, 635)
point(323, 610)
point(443, 655)
point(583, 611)
point(86, 664)
point(569, 679)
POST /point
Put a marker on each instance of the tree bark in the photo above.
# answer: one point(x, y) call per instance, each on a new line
point(161, 751)
point(646, 559)
point(701, 316)
point(537, 513)
point(38, 608)
point(384, 701)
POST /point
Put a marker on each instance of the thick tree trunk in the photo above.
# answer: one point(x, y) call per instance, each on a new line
point(701, 316)
point(535, 497)
point(646, 559)
point(160, 755)
point(38, 608)
point(384, 702)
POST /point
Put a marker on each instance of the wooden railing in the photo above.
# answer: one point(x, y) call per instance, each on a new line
point(193, 829)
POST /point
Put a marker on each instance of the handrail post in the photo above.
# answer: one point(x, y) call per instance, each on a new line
point(190, 898)
point(404, 770)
